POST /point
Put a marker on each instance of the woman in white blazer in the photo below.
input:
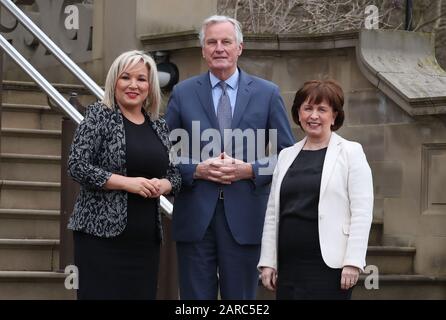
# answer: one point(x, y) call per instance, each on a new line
point(319, 211)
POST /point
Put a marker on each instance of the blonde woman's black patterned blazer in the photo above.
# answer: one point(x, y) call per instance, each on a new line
point(97, 151)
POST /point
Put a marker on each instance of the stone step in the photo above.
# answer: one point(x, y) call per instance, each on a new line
point(376, 233)
point(23, 96)
point(391, 260)
point(29, 224)
point(402, 287)
point(390, 287)
point(29, 254)
point(31, 141)
point(29, 195)
point(30, 167)
point(30, 117)
point(34, 285)
point(22, 92)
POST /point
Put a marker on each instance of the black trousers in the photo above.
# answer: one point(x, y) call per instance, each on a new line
point(218, 262)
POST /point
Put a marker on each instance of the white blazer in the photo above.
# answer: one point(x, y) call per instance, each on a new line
point(345, 205)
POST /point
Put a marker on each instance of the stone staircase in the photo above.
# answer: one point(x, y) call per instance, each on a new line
point(397, 279)
point(30, 193)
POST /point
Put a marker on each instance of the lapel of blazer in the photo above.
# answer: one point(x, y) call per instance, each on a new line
point(160, 128)
point(204, 92)
point(243, 96)
point(334, 147)
point(118, 125)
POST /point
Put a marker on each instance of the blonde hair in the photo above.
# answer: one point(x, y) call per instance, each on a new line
point(125, 61)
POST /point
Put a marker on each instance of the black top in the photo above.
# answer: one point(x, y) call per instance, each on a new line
point(299, 193)
point(145, 157)
point(145, 154)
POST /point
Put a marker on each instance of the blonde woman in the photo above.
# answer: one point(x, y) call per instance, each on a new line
point(119, 156)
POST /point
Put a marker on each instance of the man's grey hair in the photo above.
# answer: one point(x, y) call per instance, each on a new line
point(218, 19)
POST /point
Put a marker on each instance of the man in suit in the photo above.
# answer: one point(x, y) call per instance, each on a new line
point(218, 215)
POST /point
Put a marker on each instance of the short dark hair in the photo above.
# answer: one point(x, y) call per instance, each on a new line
point(317, 91)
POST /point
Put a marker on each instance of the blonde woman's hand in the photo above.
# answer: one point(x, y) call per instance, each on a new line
point(144, 187)
point(269, 277)
point(163, 186)
point(349, 277)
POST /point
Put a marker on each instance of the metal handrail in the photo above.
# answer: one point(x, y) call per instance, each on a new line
point(40, 80)
point(165, 204)
point(53, 48)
